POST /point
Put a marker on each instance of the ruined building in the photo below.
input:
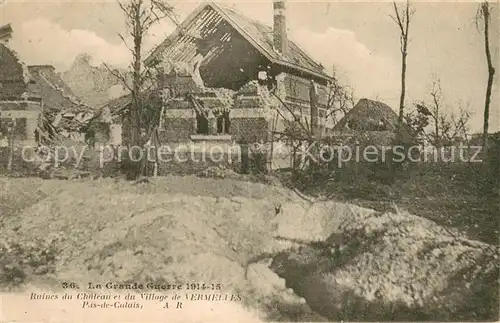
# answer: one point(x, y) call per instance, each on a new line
point(19, 107)
point(217, 72)
point(235, 61)
point(224, 80)
point(65, 111)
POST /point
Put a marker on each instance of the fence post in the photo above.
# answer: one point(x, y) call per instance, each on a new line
point(11, 144)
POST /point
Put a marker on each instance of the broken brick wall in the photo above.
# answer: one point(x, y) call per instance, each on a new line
point(249, 130)
point(250, 113)
point(241, 129)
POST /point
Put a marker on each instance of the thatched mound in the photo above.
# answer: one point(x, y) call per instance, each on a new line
point(371, 116)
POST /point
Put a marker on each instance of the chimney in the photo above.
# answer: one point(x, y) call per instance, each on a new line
point(280, 39)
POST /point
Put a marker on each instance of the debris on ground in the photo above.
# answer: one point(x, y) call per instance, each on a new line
point(218, 171)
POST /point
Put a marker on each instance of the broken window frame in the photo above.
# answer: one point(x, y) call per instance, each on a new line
point(223, 123)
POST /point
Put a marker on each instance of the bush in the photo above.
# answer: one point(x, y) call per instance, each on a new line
point(253, 159)
point(218, 171)
point(492, 166)
point(258, 162)
point(18, 261)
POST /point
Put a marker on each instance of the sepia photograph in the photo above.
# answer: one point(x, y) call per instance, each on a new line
point(249, 161)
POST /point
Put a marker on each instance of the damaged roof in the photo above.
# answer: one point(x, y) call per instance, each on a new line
point(257, 34)
point(119, 105)
point(54, 92)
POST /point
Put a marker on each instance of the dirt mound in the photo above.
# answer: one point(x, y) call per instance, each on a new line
point(188, 229)
point(362, 263)
point(116, 232)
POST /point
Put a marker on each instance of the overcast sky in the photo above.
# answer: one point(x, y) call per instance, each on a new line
point(358, 38)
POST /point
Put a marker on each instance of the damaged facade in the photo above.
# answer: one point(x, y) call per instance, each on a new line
point(19, 107)
point(224, 79)
point(63, 111)
point(35, 104)
point(239, 61)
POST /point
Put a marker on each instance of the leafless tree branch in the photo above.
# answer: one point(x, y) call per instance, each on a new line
point(402, 16)
point(484, 15)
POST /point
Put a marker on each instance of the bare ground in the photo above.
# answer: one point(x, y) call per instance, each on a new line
point(345, 261)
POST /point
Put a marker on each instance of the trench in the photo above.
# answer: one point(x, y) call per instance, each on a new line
point(310, 270)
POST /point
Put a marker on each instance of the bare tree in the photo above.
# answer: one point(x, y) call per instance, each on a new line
point(436, 114)
point(300, 131)
point(140, 16)
point(431, 121)
point(402, 16)
point(484, 15)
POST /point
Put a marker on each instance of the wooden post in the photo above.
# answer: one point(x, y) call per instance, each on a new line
point(223, 123)
point(274, 121)
point(313, 98)
point(194, 118)
point(156, 144)
point(213, 126)
point(11, 144)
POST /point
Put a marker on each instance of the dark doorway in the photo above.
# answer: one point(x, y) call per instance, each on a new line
point(201, 124)
point(223, 123)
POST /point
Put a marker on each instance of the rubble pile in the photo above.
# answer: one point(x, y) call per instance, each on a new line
point(426, 254)
point(41, 162)
point(218, 171)
point(249, 89)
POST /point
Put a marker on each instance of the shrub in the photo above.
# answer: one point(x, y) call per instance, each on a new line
point(18, 261)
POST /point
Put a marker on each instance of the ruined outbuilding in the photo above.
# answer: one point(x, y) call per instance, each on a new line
point(19, 107)
point(369, 115)
point(111, 124)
